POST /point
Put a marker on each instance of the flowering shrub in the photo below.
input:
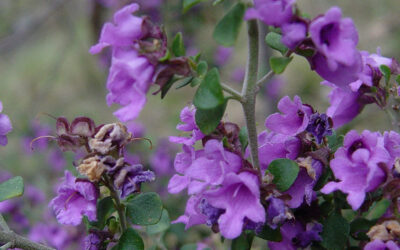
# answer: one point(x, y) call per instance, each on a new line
point(306, 181)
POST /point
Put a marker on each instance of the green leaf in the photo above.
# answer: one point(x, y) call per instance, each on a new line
point(188, 4)
point(178, 48)
point(161, 226)
point(359, 228)
point(145, 209)
point(378, 209)
point(398, 79)
point(242, 242)
point(208, 119)
point(227, 29)
point(273, 40)
point(335, 141)
point(243, 138)
point(278, 64)
point(196, 81)
point(105, 207)
point(183, 82)
point(11, 188)
point(386, 72)
point(217, 2)
point(129, 240)
point(166, 57)
point(209, 95)
point(270, 234)
point(202, 68)
point(191, 246)
point(335, 232)
point(167, 86)
point(285, 172)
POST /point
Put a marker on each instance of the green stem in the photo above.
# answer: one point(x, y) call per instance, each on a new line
point(235, 94)
point(14, 240)
point(249, 90)
point(118, 205)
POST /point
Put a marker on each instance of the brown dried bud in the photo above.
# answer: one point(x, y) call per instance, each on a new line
point(92, 167)
point(388, 230)
point(109, 137)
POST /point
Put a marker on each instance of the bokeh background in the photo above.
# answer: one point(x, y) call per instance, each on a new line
point(46, 70)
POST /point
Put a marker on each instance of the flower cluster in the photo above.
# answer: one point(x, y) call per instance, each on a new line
point(225, 193)
point(329, 42)
point(103, 165)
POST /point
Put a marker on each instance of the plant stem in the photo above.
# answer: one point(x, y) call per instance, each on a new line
point(235, 94)
point(118, 205)
point(265, 78)
point(249, 90)
point(20, 242)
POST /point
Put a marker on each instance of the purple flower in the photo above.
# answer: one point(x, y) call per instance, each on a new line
point(380, 245)
point(293, 34)
point(126, 29)
point(273, 146)
point(198, 170)
point(212, 213)
point(222, 55)
point(320, 126)
point(294, 119)
point(271, 12)
point(345, 105)
point(357, 166)
point(335, 38)
point(239, 196)
point(75, 199)
point(92, 242)
point(129, 80)
point(295, 236)
point(136, 128)
point(5, 126)
point(193, 215)
point(277, 212)
point(302, 188)
point(187, 116)
point(392, 145)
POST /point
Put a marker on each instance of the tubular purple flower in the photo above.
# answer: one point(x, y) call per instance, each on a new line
point(357, 166)
point(193, 215)
point(187, 116)
point(239, 195)
point(293, 34)
point(320, 126)
point(75, 199)
point(5, 126)
point(271, 12)
point(294, 119)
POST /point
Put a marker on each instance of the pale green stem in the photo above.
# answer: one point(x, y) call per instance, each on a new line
point(235, 94)
point(250, 89)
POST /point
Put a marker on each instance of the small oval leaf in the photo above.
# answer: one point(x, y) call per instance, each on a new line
point(285, 172)
point(11, 188)
point(145, 209)
point(227, 29)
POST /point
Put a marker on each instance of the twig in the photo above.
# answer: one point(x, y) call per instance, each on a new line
point(13, 240)
point(235, 94)
point(3, 224)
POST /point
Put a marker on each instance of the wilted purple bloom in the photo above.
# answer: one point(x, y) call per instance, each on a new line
point(5, 126)
point(52, 235)
point(161, 161)
point(128, 178)
point(294, 119)
point(92, 242)
point(273, 146)
point(271, 12)
point(212, 213)
point(320, 126)
point(277, 212)
point(187, 116)
point(302, 188)
point(380, 245)
point(293, 34)
point(335, 38)
point(75, 199)
point(198, 170)
point(294, 236)
point(193, 215)
point(357, 166)
point(345, 105)
point(238, 74)
point(222, 55)
point(56, 160)
point(239, 196)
